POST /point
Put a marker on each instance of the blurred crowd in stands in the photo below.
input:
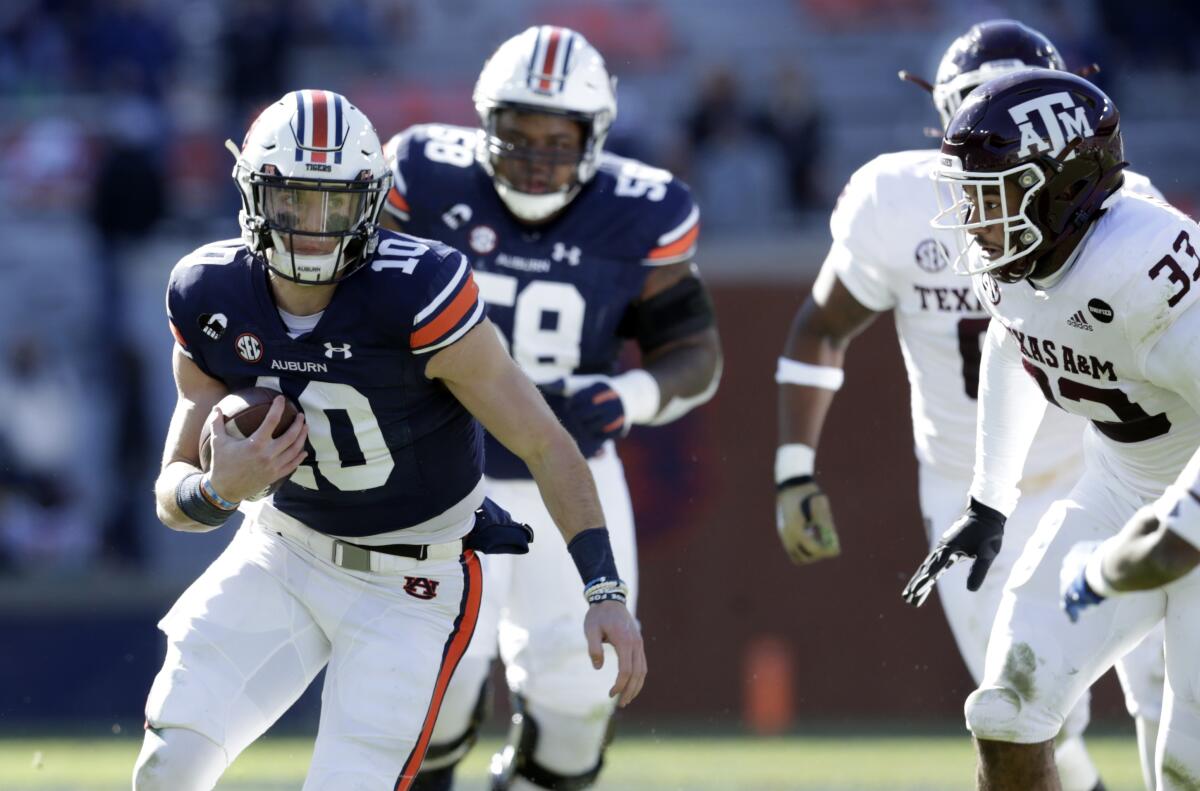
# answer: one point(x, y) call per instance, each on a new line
point(114, 112)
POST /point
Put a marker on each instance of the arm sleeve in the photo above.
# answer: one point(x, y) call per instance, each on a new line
point(857, 255)
point(1010, 410)
point(182, 320)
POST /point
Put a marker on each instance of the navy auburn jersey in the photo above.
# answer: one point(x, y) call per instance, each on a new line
point(388, 448)
point(557, 291)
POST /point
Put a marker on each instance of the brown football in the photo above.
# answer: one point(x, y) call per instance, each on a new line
point(244, 411)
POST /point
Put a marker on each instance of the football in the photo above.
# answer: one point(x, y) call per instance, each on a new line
point(244, 412)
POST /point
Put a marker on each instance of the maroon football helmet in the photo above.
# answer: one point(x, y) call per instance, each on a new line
point(986, 51)
point(1038, 152)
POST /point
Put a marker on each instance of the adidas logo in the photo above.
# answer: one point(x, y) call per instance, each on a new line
point(1079, 322)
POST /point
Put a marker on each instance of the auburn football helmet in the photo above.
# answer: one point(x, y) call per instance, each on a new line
point(545, 70)
point(312, 178)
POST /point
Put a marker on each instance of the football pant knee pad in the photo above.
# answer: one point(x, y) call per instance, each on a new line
point(1000, 714)
point(178, 759)
point(551, 750)
point(437, 770)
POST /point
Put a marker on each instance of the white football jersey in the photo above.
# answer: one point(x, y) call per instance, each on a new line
point(889, 258)
point(1113, 338)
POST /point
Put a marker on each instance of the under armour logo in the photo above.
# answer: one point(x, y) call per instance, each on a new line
point(569, 254)
point(1062, 127)
point(343, 350)
point(420, 587)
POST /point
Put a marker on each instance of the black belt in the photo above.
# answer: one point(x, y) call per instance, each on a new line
point(414, 551)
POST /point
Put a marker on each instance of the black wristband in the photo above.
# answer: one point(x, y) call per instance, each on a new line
point(593, 555)
point(798, 480)
point(195, 505)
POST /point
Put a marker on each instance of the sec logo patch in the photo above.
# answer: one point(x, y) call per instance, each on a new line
point(931, 255)
point(249, 347)
point(482, 239)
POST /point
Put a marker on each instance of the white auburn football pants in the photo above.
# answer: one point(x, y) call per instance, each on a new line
point(249, 635)
point(533, 610)
point(1039, 663)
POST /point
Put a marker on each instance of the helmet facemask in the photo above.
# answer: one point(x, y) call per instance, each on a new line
point(536, 179)
point(971, 203)
point(312, 231)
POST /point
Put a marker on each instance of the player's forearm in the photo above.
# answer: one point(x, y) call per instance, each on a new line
point(687, 372)
point(1145, 562)
point(809, 374)
point(565, 483)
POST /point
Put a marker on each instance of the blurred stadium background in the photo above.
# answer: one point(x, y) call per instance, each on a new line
point(112, 115)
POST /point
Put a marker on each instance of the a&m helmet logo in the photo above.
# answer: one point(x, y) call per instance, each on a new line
point(1058, 115)
point(420, 587)
point(249, 347)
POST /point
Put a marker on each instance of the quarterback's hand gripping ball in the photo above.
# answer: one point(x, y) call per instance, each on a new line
point(805, 521)
point(261, 434)
point(977, 534)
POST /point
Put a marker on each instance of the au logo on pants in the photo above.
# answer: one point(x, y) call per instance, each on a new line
point(420, 587)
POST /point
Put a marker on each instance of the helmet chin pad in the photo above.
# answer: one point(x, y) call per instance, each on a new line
point(534, 208)
point(311, 269)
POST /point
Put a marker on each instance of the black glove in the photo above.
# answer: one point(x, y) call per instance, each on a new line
point(977, 534)
point(592, 415)
point(497, 533)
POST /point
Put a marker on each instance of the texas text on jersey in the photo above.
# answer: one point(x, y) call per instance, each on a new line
point(559, 293)
point(384, 438)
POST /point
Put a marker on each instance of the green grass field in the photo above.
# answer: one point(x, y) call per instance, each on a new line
point(636, 763)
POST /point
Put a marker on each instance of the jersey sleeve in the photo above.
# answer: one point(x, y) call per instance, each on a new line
point(677, 227)
point(451, 305)
point(857, 255)
point(185, 291)
point(1010, 410)
point(396, 154)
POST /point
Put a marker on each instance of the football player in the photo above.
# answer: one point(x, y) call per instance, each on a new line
point(884, 258)
point(365, 560)
point(1090, 290)
point(575, 250)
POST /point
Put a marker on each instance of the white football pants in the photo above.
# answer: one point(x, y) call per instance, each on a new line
point(249, 635)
